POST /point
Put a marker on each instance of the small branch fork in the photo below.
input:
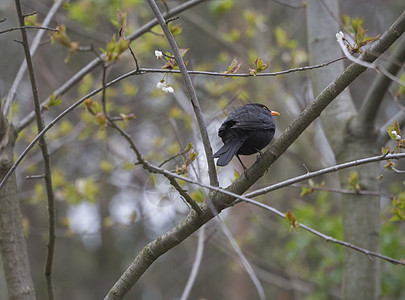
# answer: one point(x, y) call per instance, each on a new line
point(153, 169)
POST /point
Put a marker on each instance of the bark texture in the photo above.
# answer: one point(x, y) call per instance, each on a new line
point(13, 246)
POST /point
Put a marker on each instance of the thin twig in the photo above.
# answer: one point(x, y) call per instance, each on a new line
point(29, 14)
point(134, 57)
point(41, 176)
point(323, 172)
point(342, 191)
point(242, 258)
point(329, 238)
point(191, 92)
point(397, 171)
point(185, 150)
point(196, 264)
point(45, 155)
point(263, 74)
point(184, 194)
point(28, 27)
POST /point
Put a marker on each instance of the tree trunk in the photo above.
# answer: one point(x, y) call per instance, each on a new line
point(13, 246)
point(361, 223)
point(349, 140)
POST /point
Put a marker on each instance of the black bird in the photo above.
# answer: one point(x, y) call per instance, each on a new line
point(247, 130)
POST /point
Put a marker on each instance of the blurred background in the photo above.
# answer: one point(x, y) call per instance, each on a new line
point(108, 209)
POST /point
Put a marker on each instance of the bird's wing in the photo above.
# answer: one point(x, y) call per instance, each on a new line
point(253, 121)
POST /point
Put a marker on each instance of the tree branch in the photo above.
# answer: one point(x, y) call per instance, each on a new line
point(29, 27)
point(196, 264)
point(378, 88)
point(324, 171)
point(191, 92)
point(45, 155)
point(342, 191)
point(232, 75)
point(326, 237)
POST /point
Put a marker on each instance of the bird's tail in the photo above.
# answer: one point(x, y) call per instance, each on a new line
point(226, 153)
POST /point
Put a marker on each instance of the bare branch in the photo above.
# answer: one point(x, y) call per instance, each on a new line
point(196, 264)
point(324, 171)
point(29, 27)
point(242, 258)
point(341, 191)
point(45, 155)
point(328, 238)
point(236, 75)
point(191, 91)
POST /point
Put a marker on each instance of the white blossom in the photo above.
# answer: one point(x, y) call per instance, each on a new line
point(395, 134)
point(168, 89)
point(158, 54)
point(340, 35)
point(162, 85)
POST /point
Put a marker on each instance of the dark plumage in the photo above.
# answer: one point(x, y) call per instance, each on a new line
point(247, 130)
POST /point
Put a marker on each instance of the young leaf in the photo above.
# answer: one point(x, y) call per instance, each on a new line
point(353, 181)
point(260, 66)
point(233, 67)
point(292, 220)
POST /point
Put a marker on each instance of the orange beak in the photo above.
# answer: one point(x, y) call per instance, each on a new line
point(274, 113)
